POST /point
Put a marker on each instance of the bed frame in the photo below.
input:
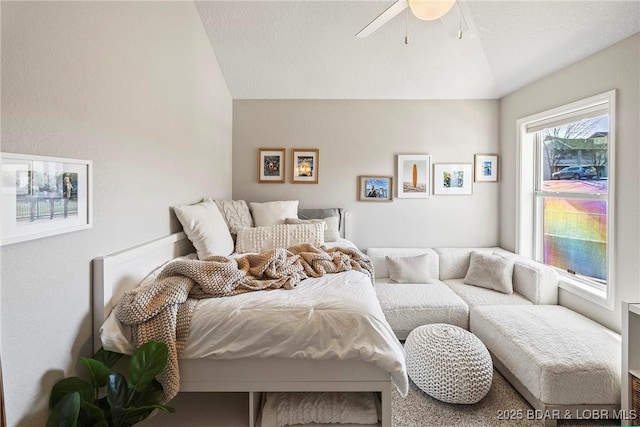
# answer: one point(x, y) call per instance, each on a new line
point(116, 273)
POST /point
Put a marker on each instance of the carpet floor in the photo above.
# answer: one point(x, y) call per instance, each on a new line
point(502, 406)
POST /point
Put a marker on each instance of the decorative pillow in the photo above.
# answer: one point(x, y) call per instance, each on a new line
point(331, 233)
point(413, 269)
point(260, 239)
point(315, 213)
point(205, 227)
point(490, 271)
point(272, 213)
point(235, 213)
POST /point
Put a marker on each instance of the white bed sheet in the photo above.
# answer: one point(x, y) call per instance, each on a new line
point(336, 316)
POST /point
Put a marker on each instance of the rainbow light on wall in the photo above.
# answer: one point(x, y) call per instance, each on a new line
point(575, 236)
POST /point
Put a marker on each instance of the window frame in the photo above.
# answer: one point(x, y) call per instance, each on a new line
point(528, 208)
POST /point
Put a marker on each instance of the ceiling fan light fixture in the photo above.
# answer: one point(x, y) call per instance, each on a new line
point(429, 10)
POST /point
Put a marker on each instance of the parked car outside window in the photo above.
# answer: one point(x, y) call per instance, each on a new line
point(575, 172)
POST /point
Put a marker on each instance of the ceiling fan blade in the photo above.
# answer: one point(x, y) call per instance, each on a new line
point(383, 18)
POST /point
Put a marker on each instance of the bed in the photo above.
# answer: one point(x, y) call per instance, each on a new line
point(251, 372)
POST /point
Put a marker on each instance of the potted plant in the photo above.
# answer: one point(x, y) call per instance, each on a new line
point(109, 399)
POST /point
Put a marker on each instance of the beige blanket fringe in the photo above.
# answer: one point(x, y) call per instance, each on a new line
point(162, 310)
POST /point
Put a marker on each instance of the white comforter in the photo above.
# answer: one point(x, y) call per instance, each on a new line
point(336, 316)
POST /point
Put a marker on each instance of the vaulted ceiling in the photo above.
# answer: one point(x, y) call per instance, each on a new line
point(307, 49)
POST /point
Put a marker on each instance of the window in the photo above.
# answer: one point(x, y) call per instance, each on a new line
point(566, 194)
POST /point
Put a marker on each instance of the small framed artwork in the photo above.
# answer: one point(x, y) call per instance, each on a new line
point(44, 196)
point(486, 167)
point(375, 188)
point(413, 176)
point(271, 165)
point(305, 166)
point(452, 178)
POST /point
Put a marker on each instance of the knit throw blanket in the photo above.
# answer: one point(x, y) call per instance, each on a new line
point(162, 310)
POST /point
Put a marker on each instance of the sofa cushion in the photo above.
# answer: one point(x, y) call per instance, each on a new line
point(476, 296)
point(454, 262)
point(560, 356)
point(490, 271)
point(535, 281)
point(411, 269)
point(378, 258)
point(407, 306)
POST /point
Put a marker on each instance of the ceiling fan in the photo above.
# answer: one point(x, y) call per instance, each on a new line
point(426, 10)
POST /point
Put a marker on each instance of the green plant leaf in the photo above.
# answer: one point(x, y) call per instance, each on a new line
point(90, 411)
point(65, 412)
point(150, 395)
point(98, 371)
point(147, 362)
point(117, 395)
point(109, 358)
point(68, 386)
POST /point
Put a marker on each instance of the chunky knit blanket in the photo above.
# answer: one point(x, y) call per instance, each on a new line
point(162, 310)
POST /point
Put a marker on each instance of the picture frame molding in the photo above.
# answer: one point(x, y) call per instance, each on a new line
point(277, 179)
point(31, 209)
point(314, 153)
point(438, 183)
point(362, 188)
point(425, 166)
point(479, 160)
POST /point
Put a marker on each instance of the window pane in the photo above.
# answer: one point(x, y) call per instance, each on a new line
point(575, 156)
point(575, 236)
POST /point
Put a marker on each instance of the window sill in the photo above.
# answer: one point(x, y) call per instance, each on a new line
point(577, 288)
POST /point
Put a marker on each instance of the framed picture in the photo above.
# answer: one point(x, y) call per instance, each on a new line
point(486, 168)
point(44, 196)
point(375, 188)
point(450, 178)
point(305, 165)
point(413, 176)
point(271, 165)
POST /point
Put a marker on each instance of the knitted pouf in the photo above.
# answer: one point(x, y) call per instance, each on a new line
point(448, 363)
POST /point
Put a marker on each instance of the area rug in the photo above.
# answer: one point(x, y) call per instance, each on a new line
point(502, 406)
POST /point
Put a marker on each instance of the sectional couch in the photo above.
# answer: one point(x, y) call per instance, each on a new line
point(565, 365)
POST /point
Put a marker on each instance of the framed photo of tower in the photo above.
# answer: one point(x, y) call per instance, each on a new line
point(414, 172)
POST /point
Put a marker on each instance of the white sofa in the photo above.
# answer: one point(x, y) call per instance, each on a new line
point(448, 299)
point(564, 364)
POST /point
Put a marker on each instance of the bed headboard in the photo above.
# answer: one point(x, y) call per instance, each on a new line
point(116, 273)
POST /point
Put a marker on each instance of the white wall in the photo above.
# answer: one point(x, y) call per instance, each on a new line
point(136, 88)
point(617, 67)
point(363, 138)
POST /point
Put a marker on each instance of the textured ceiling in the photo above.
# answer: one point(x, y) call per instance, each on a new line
point(306, 49)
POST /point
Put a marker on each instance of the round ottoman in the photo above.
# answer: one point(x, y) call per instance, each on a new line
point(448, 363)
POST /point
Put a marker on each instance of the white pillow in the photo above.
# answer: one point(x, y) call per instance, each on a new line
point(235, 213)
point(206, 228)
point(413, 269)
point(331, 232)
point(490, 271)
point(272, 213)
point(258, 239)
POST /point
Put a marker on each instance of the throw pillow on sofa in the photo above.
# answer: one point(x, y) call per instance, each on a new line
point(490, 271)
point(413, 269)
